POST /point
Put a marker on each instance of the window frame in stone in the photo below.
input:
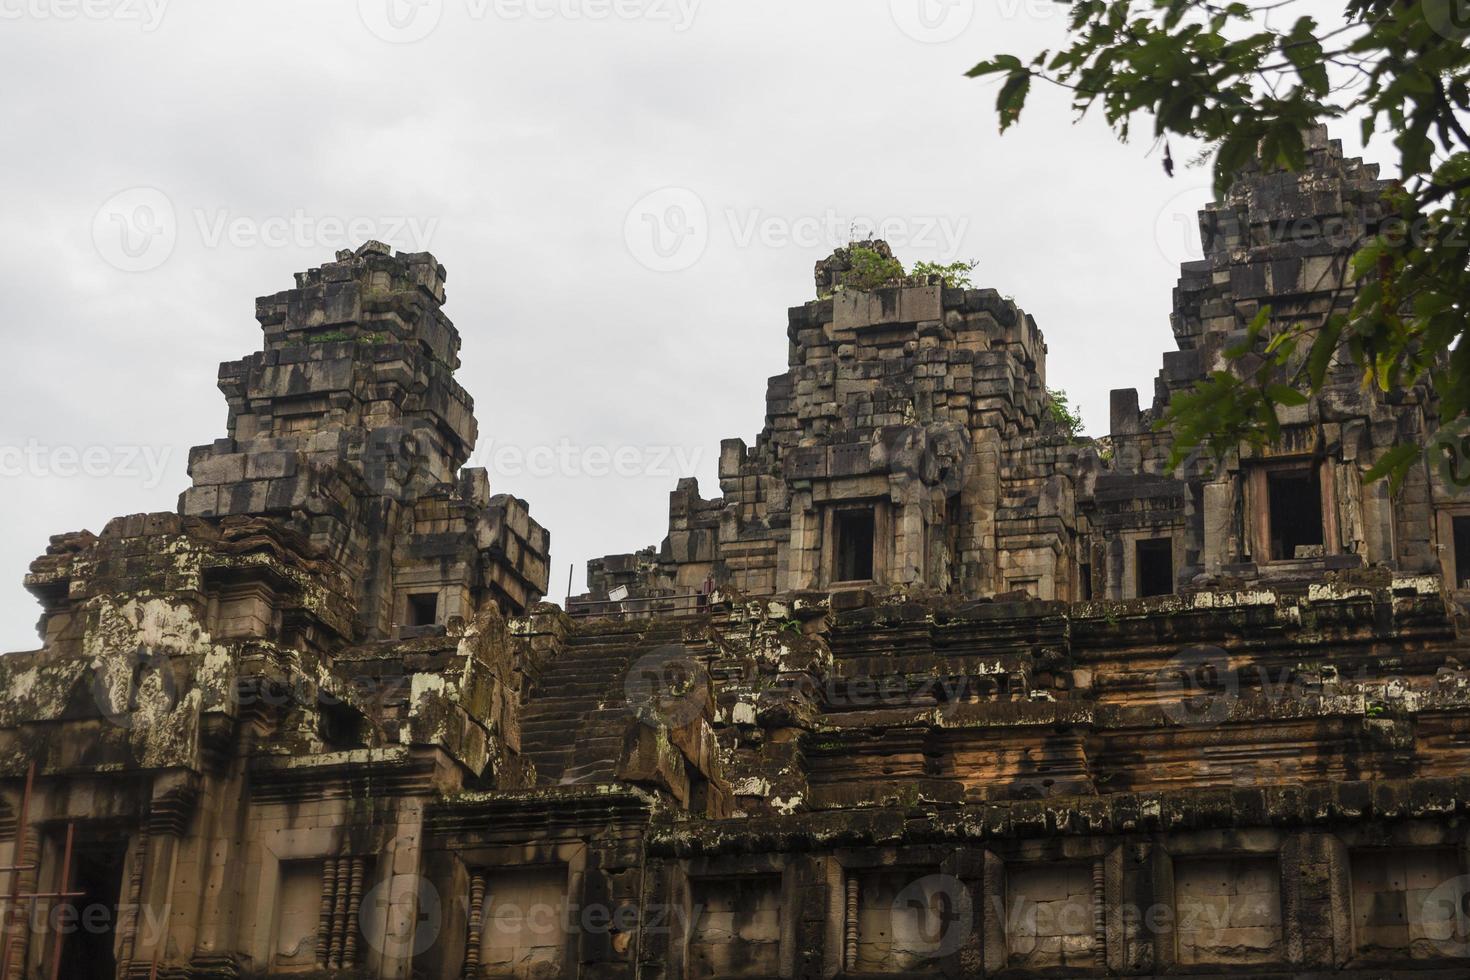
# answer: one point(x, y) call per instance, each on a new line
point(831, 553)
point(1179, 862)
point(919, 862)
point(1448, 852)
point(570, 857)
point(1454, 542)
point(702, 873)
point(413, 609)
point(1017, 869)
point(1259, 500)
point(1139, 565)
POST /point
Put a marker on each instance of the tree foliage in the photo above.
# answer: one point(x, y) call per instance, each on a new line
point(1059, 409)
point(871, 269)
point(1249, 78)
point(955, 275)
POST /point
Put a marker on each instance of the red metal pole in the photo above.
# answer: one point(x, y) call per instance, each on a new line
point(20, 848)
point(71, 830)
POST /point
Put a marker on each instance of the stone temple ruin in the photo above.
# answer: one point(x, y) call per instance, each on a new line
point(934, 688)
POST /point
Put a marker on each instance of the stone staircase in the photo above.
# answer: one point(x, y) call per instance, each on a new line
point(573, 730)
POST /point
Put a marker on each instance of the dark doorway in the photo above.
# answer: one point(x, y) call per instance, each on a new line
point(1296, 512)
point(855, 537)
point(423, 609)
point(1462, 552)
point(88, 922)
point(1155, 567)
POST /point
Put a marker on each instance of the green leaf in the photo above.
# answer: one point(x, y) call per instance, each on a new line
point(1319, 359)
point(1285, 395)
point(1000, 63)
point(1393, 464)
point(1012, 98)
point(1366, 259)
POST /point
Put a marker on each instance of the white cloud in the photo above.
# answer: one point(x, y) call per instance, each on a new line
point(526, 141)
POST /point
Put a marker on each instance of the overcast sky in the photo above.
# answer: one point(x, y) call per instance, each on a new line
point(627, 194)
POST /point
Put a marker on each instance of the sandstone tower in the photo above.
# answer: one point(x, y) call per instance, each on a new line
point(909, 445)
point(934, 688)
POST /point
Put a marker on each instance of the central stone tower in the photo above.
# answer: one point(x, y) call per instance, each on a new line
point(881, 459)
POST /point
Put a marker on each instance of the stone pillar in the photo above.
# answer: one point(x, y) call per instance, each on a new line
point(810, 885)
point(981, 572)
point(993, 914)
point(909, 556)
point(1155, 946)
point(1316, 908)
point(391, 910)
point(968, 867)
point(806, 543)
point(1220, 545)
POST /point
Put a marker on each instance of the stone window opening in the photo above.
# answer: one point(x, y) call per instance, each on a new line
point(735, 928)
point(1050, 916)
point(1227, 910)
point(89, 920)
point(1461, 527)
point(1294, 512)
point(520, 929)
point(1084, 581)
point(339, 724)
point(1030, 586)
point(856, 532)
point(897, 922)
point(423, 609)
point(1155, 560)
point(1408, 902)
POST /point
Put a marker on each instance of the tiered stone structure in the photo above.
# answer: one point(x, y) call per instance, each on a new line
point(930, 721)
point(891, 423)
point(920, 412)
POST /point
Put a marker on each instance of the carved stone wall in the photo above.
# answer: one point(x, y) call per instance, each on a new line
point(318, 723)
point(926, 406)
